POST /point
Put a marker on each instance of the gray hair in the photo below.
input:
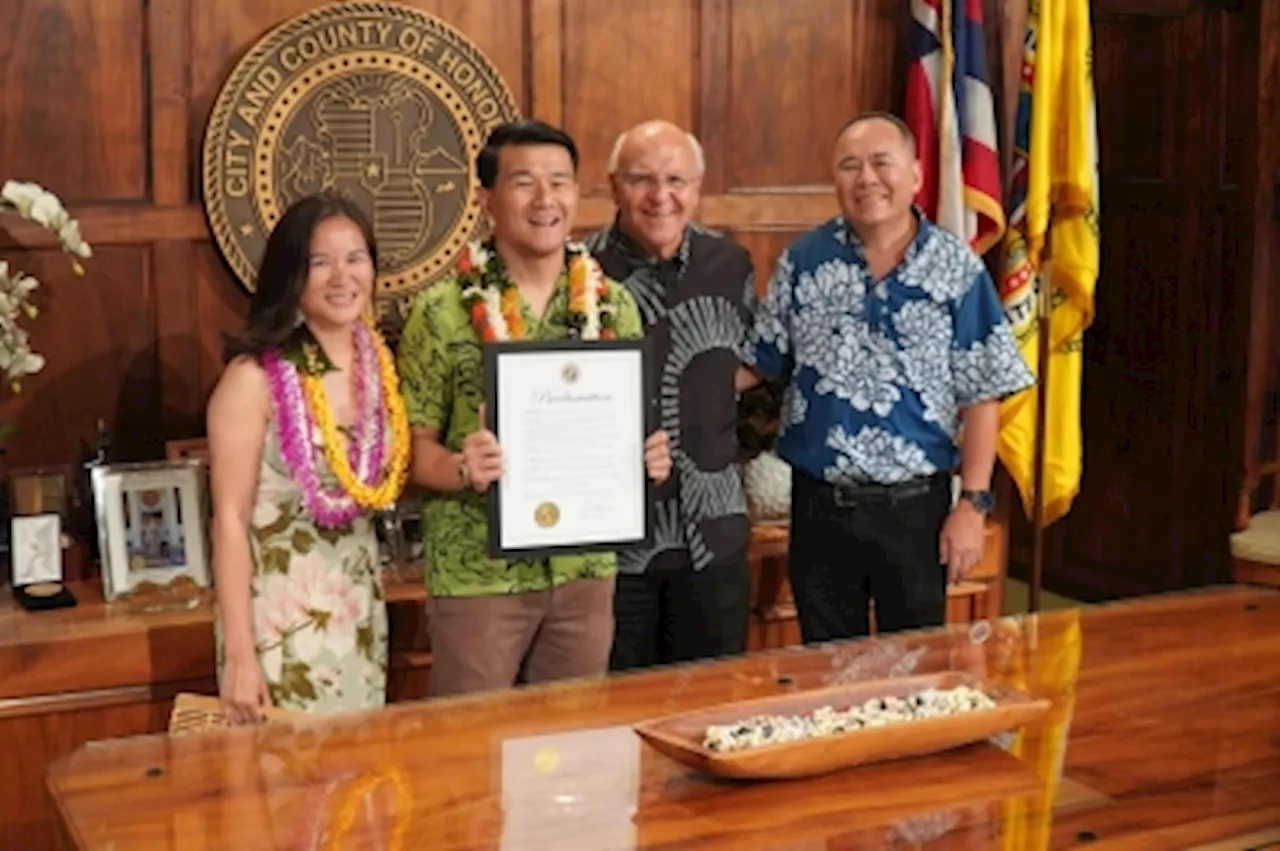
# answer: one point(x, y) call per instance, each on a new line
point(699, 158)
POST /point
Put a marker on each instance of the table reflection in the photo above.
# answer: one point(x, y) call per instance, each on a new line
point(559, 788)
point(1152, 729)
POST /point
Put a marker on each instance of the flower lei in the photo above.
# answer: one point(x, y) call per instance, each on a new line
point(492, 300)
point(302, 409)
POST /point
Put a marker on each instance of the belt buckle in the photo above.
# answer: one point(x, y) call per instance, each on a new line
point(844, 496)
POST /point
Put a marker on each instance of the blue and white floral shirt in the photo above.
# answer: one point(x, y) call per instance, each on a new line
point(878, 372)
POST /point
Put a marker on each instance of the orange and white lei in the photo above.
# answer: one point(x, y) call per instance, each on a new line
point(493, 301)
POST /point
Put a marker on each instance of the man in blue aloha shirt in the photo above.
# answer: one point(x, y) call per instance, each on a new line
point(890, 338)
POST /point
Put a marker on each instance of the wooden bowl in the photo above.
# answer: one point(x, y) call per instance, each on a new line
point(680, 736)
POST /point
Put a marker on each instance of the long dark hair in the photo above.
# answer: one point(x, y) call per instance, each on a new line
point(282, 274)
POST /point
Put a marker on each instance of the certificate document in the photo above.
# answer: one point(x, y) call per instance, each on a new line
point(571, 418)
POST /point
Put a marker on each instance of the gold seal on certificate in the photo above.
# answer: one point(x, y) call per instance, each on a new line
point(546, 515)
point(571, 418)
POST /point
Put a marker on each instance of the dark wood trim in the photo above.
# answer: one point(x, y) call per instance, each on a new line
point(168, 69)
point(50, 704)
point(1258, 245)
point(789, 209)
point(546, 49)
point(715, 72)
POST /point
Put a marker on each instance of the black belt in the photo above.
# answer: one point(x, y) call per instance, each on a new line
point(849, 495)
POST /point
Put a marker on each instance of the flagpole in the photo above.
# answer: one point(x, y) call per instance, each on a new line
point(1044, 298)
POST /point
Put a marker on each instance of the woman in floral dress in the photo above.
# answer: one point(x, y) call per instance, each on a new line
point(307, 437)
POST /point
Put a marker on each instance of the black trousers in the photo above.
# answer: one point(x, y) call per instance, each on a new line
point(676, 614)
point(873, 542)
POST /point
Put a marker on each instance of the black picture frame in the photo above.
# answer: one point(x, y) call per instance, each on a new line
point(493, 355)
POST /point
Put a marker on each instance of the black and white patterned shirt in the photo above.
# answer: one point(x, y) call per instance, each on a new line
point(696, 309)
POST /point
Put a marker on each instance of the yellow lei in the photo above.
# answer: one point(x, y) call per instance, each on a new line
point(397, 469)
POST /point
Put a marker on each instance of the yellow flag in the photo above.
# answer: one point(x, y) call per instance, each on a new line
point(1053, 240)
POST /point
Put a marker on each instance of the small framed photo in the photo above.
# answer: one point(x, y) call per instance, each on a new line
point(39, 490)
point(151, 526)
point(37, 549)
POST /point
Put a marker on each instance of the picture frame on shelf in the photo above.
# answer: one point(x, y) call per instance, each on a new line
point(37, 554)
point(40, 490)
point(152, 528)
point(37, 548)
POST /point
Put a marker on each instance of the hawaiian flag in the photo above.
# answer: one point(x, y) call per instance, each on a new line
point(951, 109)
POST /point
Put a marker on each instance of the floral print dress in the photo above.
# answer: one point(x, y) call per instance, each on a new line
point(319, 614)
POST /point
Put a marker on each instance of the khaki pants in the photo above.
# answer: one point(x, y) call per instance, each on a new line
point(494, 641)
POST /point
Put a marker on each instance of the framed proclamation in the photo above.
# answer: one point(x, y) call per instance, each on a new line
point(571, 418)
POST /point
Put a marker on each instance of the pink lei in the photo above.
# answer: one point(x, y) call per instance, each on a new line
point(295, 427)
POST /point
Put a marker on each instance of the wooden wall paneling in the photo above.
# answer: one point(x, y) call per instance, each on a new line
point(1147, 377)
point(113, 224)
point(1259, 348)
point(221, 305)
point(1120, 535)
point(545, 51)
point(1156, 363)
point(784, 107)
point(714, 75)
point(499, 28)
point(179, 354)
point(1136, 8)
point(880, 28)
point(221, 33)
point(71, 93)
point(613, 80)
point(171, 147)
point(1186, 557)
point(171, 176)
point(97, 333)
point(1221, 318)
point(764, 248)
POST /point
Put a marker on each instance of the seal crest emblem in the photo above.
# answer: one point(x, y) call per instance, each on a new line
point(381, 102)
point(546, 515)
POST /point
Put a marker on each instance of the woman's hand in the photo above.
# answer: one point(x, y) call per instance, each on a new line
point(244, 692)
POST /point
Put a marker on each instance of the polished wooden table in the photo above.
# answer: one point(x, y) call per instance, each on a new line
point(105, 670)
point(1164, 733)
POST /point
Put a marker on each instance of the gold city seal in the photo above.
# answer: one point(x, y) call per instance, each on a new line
point(381, 102)
point(546, 515)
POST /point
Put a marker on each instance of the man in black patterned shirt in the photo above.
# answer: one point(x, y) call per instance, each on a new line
point(687, 598)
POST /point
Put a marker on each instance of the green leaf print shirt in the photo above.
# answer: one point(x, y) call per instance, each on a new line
point(442, 379)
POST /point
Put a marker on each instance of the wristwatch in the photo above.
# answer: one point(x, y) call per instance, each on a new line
point(984, 501)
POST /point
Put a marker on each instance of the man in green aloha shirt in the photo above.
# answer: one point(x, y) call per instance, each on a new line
point(493, 623)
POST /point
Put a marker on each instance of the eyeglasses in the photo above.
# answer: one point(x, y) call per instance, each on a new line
point(651, 182)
